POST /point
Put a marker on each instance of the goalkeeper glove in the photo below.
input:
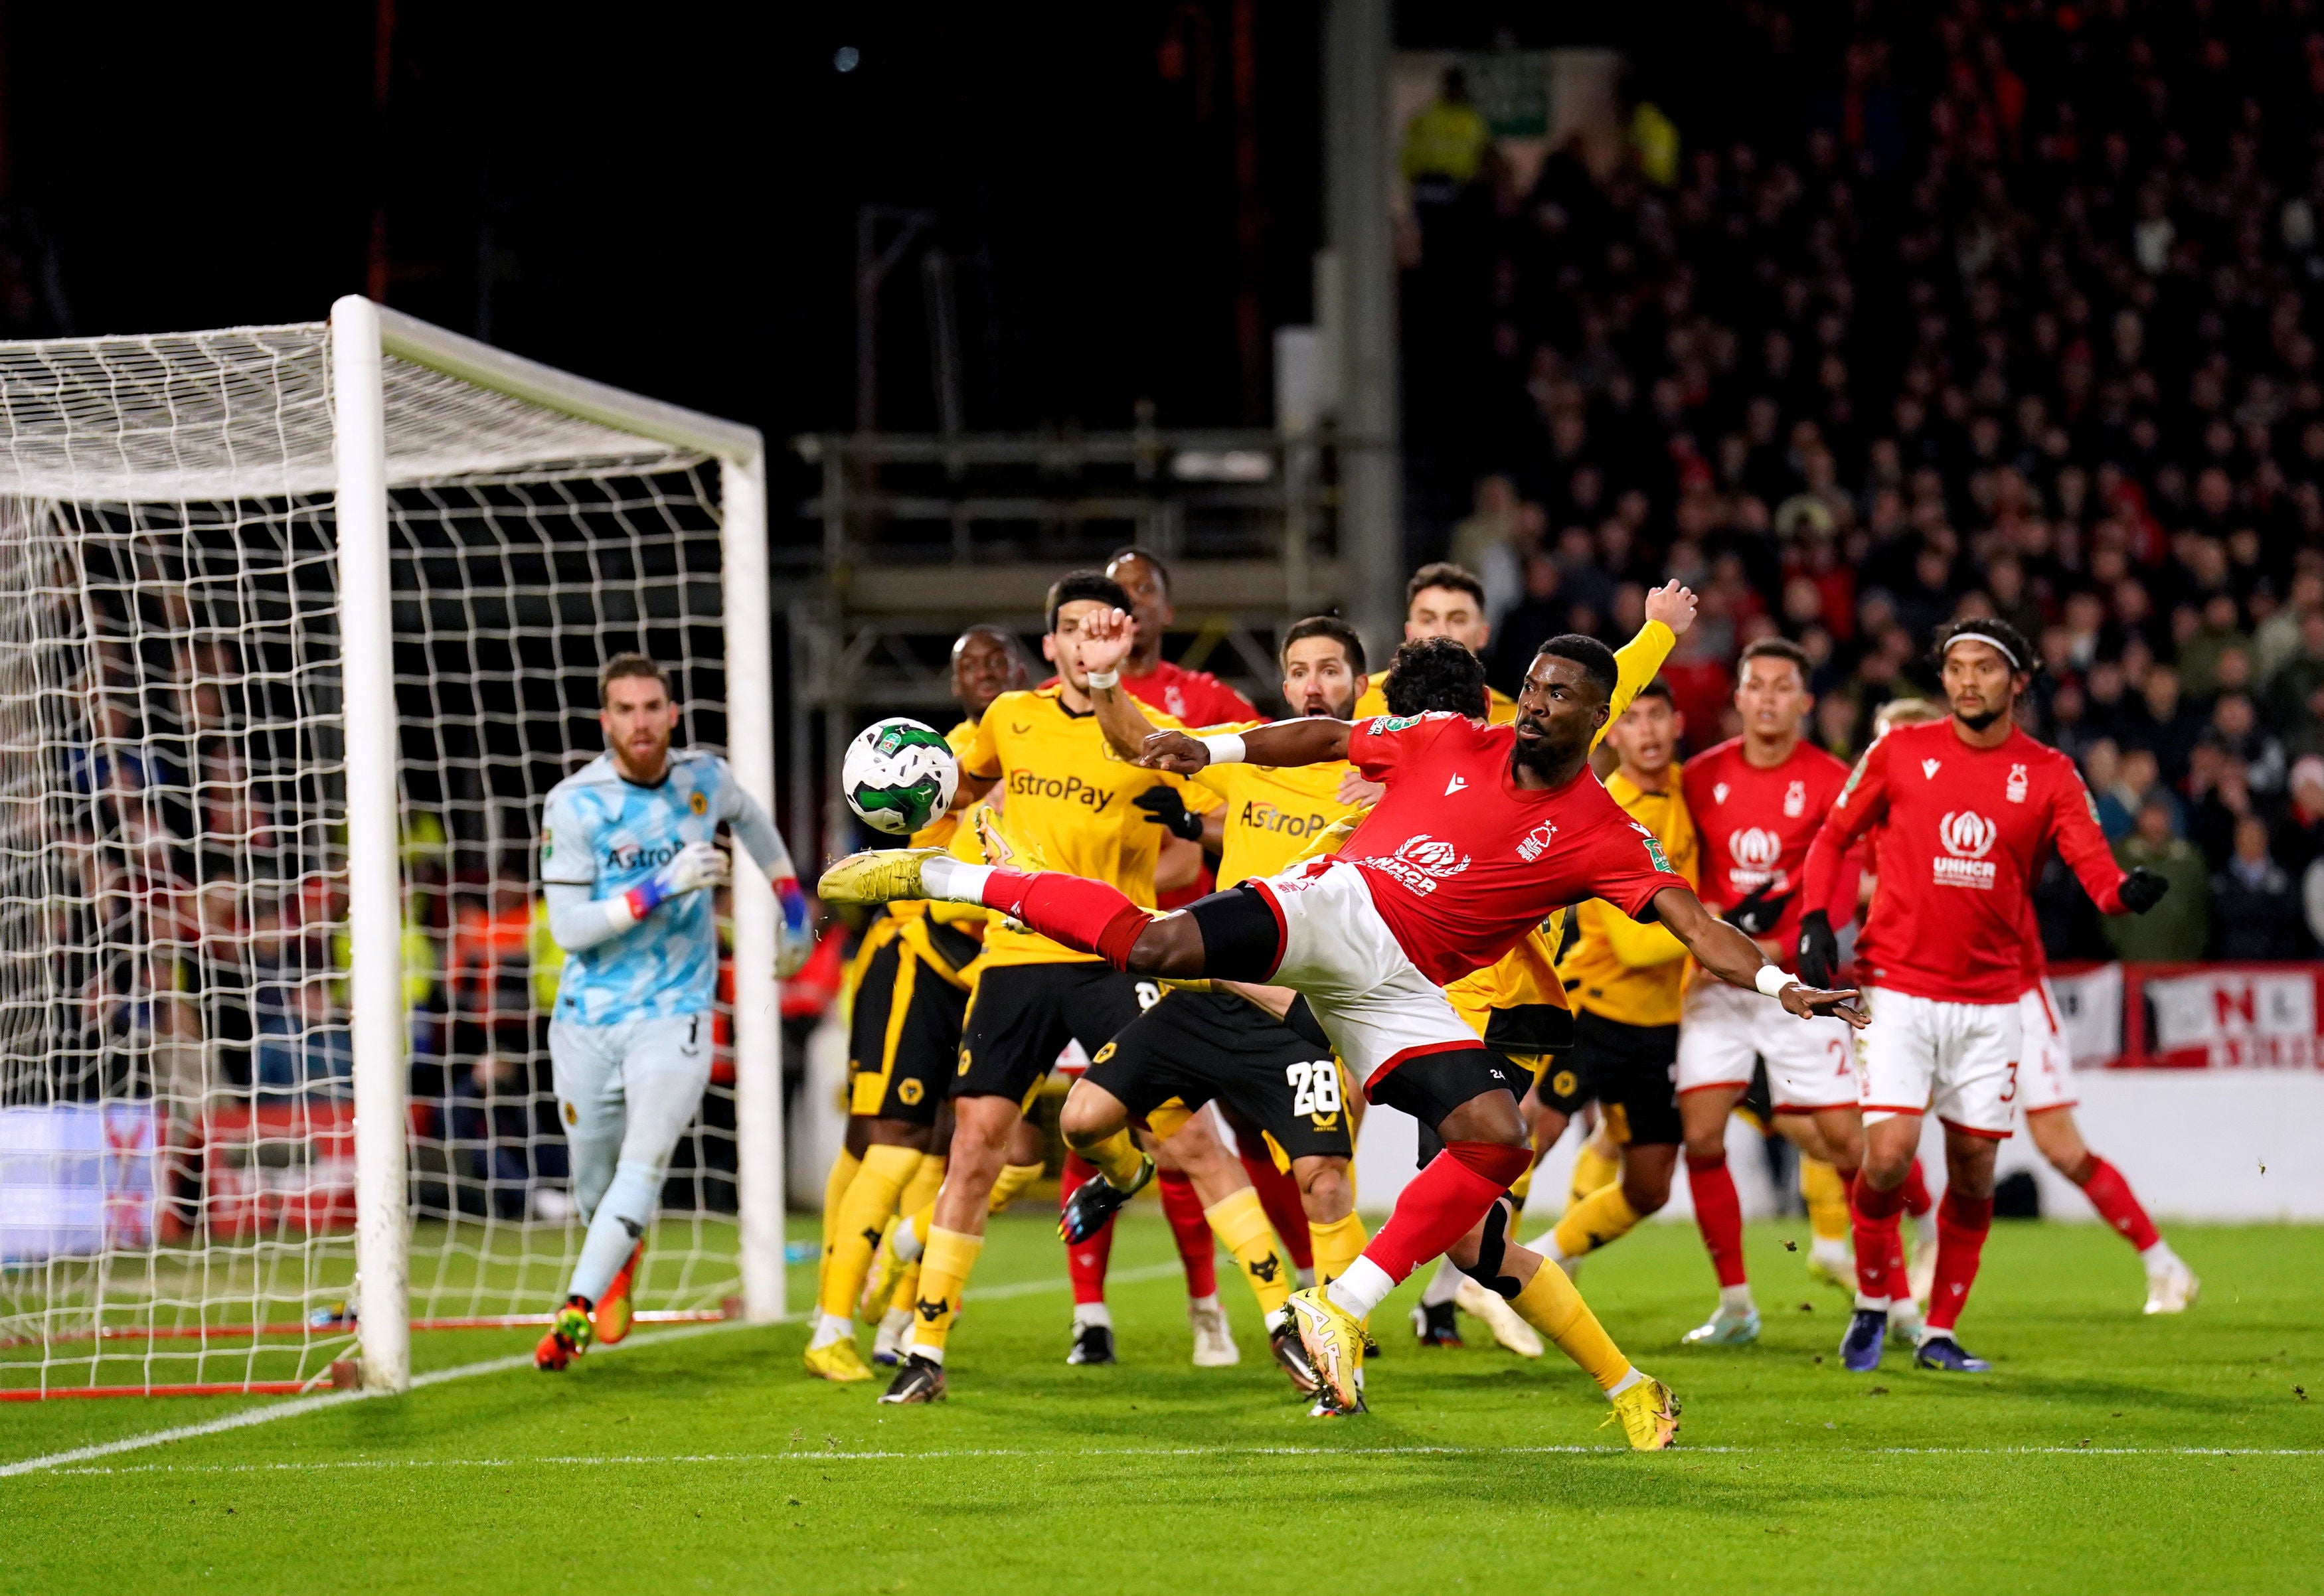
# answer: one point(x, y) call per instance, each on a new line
point(698, 865)
point(1167, 810)
point(1756, 914)
point(795, 937)
point(1818, 948)
point(2141, 889)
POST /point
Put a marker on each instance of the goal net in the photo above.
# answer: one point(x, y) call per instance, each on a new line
point(299, 625)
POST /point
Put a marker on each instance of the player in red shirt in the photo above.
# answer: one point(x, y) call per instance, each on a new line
point(1757, 800)
point(1195, 697)
point(1483, 830)
point(1971, 804)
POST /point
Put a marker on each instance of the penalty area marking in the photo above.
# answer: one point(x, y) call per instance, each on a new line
point(298, 1406)
point(1338, 1454)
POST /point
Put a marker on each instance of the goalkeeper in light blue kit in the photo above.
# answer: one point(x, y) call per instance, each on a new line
point(629, 867)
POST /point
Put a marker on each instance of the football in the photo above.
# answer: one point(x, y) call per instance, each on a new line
point(899, 775)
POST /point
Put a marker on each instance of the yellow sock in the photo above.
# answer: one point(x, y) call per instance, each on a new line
point(1604, 1216)
point(1551, 1305)
point(1240, 1223)
point(907, 1289)
point(871, 1198)
point(1827, 1201)
point(834, 1191)
point(1337, 1243)
point(1011, 1181)
point(944, 1271)
point(920, 1191)
point(1591, 1169)
point(1119, 1159)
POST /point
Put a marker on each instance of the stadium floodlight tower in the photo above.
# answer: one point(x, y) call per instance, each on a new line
point(299, 625)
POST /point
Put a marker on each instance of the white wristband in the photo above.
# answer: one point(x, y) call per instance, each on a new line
point(1772, 980)
point(1225, 747)
point(1104, 679)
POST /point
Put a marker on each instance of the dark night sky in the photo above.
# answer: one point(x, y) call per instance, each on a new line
point(665, 196)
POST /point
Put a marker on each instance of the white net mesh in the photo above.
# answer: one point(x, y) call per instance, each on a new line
point(175, 1156)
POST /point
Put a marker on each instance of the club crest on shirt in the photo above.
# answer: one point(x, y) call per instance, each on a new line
point(1420, 862)
point(1795, 801)
point(2015, 792)
point(699, 802)
point(1536, 841)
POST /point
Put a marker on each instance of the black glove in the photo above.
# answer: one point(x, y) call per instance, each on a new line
point(1756, 914)
point(2141, 889)
point(1167, 810)
point(1818, 948)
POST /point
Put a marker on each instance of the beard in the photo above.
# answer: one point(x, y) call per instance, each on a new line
point(1980, 721)
point(1541, 757)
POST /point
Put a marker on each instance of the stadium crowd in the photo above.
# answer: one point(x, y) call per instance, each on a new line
point(2014, 321)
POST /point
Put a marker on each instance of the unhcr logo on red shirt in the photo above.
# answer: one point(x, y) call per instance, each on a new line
point(1969, 836)
point(1421, 862)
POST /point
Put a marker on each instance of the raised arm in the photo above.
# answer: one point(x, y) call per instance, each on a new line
point(1728, 953)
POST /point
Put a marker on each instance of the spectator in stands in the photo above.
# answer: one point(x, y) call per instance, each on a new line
point(2259, 915)
point(2298, 838)
point(2102, 771)
point(2181, 932)
point(1491, 542)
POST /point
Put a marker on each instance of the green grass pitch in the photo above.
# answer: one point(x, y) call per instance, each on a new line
point(2107, 1451)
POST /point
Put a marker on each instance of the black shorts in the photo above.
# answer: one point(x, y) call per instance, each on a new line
point(1632, 1071)
point(903, 1036)
point(1022, 1015)
point(1432, 1085)
point(1193, 1046)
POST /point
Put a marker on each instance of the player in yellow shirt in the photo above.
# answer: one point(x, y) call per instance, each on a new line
point(1626, 983)
point(1070, 804)
point(910, 983)
point(1194, 1047)
point(1443, 600)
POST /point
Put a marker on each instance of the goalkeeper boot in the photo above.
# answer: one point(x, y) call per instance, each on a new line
point(888, 1346)
point(1860, 1349)
point(1334, 1341)
point(920, 1379)
point(1941, 1350)
point(1649, 1415)
point(1512, 1332)
point(1283, 1341)
point(568, 1336)
point(1096, 1201)
point(838, 1361)
point(880, 1279)
point(615, 1311)
point(883, 875)
point(1437, 1324)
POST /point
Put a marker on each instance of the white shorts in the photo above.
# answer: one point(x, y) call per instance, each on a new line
point(626, 1092)
point(2045, 1069)
point(1958, 1061)
point(1809, 1063)
point(1368, 995)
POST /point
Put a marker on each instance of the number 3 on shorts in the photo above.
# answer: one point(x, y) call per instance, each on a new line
point(1314, 1087)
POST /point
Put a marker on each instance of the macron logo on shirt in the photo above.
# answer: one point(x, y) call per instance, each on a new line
point(1455, 785)
point(1929, 768)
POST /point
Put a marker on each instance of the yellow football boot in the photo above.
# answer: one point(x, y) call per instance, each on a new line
point(1334, 1340)
point(1648, 1412)
point(617, 1310)
point(883, 875)
point(839, 1362)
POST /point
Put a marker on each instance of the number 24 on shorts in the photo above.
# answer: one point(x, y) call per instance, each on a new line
point(1315, 1086)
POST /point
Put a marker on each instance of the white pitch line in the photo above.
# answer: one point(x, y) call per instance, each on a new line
point(298, 1405)
point(1335, 1454)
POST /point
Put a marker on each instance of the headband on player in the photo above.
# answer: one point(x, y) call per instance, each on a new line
point(1986, 638)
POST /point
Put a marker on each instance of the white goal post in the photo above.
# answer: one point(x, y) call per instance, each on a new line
point(298, 625)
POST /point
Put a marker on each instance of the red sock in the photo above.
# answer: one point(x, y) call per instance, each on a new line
point(1719, 1215)
point(1198, 1250)
point(1961, 1226)
point(1088, 917)
point(1279, 1194)
point(1915, 1188)
point(1879, 1246)
point(2111, 1195)
point(1084, 1262)
point(1443, 1203)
